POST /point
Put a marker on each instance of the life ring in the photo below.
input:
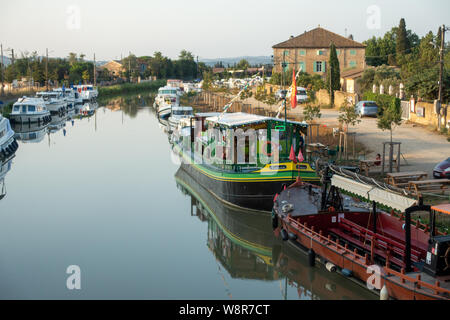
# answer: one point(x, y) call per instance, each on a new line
point(265, 144)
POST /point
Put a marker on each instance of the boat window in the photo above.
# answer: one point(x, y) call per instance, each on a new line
point(302, 167)
point(24, 109)
point(275, 167)
point(16, 108)
point(32, 135)
point(31, 108)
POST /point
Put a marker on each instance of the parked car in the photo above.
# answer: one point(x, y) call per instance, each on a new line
point(302, 96)
point(280, 94)
point(442, 170)
point(367, 108)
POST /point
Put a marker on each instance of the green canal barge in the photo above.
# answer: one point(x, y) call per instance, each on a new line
point(244, 159)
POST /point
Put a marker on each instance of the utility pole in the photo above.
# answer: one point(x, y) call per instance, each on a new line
point(3, 90)
point(441, 73)
point(95, 72)
point(46, 67)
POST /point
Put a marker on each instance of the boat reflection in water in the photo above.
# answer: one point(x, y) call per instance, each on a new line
point(245, 246)
point(242, 242)
point(57, 123)
point(86, 109)
point(30, 133)
point(5, 167)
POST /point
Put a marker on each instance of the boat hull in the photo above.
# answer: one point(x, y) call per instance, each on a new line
point(30, 118)
point(256, 194)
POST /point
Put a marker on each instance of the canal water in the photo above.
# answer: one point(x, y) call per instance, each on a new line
point(104, 194)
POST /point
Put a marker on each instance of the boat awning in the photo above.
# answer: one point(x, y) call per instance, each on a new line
point(373, 193)
point(443, 208)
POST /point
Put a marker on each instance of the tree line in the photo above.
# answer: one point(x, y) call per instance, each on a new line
point(75, 68)
point(402, 56)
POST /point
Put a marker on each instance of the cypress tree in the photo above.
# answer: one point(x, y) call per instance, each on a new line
point(333, 73)
point(402, 40)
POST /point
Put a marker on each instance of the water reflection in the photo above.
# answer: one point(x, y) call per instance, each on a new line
point(5, 167)
point(242, 242)
point(244, 245)
point(129, 104)
point(30, 133)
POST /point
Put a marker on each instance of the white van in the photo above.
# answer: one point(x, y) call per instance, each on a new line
point(302, 96)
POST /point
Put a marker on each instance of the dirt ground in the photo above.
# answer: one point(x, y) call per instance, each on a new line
point(421, 148)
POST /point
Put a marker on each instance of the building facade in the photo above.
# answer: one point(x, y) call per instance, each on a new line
point(114, 67)
point(310, 51)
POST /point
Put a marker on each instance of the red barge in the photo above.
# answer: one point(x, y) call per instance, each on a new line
point(398, 257)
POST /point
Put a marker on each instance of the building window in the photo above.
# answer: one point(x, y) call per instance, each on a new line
point(285, 52)
point(319, 66)
point(352, 63)
point(353, 52)
point(302, 66)
point(320, 52)
point(338, 52)
point(302, 52)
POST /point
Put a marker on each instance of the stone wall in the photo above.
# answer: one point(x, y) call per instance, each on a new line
point(425, 114)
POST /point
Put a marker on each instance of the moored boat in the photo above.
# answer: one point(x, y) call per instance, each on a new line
point(30, 110)
point(87, 92)
point(384, 250)
point(244, 158)
point(55, 102)
point(178, 113)
point(8, 145)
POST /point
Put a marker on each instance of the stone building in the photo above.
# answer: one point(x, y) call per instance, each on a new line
point(310, 51)
point(114, 67)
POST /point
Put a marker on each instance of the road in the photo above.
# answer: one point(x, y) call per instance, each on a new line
point(422, 148)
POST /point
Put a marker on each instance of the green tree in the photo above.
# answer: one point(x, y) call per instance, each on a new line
point(402, 42)
point(333, 73)
point(391, 116)
point(311, 112)
point(348, 115)
point(242, 65)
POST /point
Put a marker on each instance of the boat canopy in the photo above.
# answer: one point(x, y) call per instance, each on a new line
point(240, 118)
point(373, 193)
point(443, 208)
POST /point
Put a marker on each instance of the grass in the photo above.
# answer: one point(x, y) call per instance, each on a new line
point(130, 88)
point(7, 108)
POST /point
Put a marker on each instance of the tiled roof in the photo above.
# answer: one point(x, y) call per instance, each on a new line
point(319, 38)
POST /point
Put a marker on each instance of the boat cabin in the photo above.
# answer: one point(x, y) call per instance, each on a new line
point(263, 137)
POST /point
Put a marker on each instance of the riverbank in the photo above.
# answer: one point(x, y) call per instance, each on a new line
point(126, 88)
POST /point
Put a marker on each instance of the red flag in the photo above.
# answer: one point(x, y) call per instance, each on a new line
point(293, 91)
point(300, 156)
point(292, 155)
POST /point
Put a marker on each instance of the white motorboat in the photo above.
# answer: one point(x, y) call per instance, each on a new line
point(8, 145)
point(165, 93)
point(179, 112)
point(30, 110)
point(72, 96)
point(87, 92)
point(55, 101)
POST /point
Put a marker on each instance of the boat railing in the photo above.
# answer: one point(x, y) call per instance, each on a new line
point(417, 281)
point(303, 227)
point(416, 222)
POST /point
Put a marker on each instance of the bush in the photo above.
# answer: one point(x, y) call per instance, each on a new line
point(382, 100)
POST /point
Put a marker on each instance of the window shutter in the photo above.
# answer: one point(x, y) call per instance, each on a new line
point(315, 66)
point(324, 69)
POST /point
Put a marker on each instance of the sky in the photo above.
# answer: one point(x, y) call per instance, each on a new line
point(207, 28)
